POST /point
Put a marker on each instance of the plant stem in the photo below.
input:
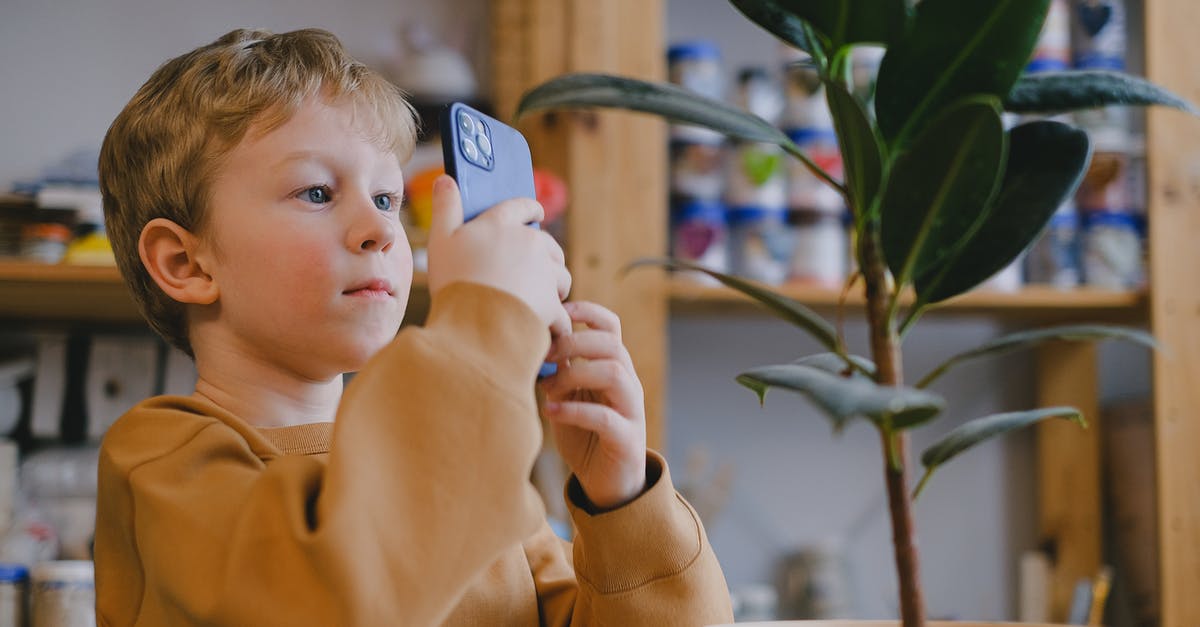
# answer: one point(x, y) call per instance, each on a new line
point(885, 349)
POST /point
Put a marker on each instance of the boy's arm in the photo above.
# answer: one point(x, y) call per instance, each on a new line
point(645, 563)
point(438, 432)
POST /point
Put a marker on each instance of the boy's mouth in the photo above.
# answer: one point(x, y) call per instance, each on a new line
point(373, 287)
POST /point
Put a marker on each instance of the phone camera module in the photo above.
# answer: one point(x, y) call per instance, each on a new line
point(470, 150)
point(485, 145)
point(466, 123)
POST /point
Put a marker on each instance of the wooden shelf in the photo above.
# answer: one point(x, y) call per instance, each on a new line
point(689, 296)
point(38, 292)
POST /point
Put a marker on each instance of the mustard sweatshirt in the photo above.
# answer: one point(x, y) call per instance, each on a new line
point(414, 507)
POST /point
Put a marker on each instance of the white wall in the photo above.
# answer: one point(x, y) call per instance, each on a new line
point(797, 484)
point(69, 66)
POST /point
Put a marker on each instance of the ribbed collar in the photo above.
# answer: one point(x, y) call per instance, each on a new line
point(306, 439)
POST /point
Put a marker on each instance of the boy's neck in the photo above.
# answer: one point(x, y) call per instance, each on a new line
point(264, 396)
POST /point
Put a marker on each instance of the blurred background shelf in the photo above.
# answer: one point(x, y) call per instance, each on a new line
point(693, 297)
point(40, 292)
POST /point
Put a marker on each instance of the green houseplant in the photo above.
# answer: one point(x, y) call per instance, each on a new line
point(942, 197)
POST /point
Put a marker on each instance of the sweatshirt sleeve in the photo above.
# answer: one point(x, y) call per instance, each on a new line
point(438, 432)
point(645, 563)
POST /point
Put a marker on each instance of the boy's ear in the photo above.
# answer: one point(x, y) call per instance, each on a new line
point(169, 253)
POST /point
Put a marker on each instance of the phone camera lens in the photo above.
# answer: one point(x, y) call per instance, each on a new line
point(469, 149)
point(466, 123)
point(485, 145)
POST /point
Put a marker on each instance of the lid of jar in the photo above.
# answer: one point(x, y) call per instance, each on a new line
point(699, 49)
point(13, 573)
point(750, 213)
point(46, 230)
point(699, 209)
point(803, 135)
point(65, 571)
point(1111, 218)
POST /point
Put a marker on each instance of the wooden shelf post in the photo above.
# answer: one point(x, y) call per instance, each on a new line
point(614, 162)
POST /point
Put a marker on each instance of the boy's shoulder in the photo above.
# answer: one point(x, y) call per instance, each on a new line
point(161, 425)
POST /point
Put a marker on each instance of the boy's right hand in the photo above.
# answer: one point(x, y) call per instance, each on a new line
point(499, 250)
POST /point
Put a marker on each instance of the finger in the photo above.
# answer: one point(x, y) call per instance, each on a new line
point(594, 417)
point(590, 344)
point(561, 324)
point(564, 288)
point(607, 376)
point(595, 316)
point(514, 211)
point(447, 208)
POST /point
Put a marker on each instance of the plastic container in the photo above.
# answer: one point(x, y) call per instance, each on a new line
point(45, 241)
point(1054, 257)
point(14, 586)
point(1053, 50)
point(1098, 34)
point(700, 234)
point(804, 94)
point(696, 66)
point(758, 244)
point(807, 192)
point(819, 248)
point(63, 594)
point(1112, 252)
point(697, 169)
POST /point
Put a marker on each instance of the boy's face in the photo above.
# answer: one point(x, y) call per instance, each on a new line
point(305, 245)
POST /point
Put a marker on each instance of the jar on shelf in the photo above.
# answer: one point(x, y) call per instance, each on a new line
point(758, 244)
point(14, 583)
point(755, 175)
point(819, 248)
point(1054, 257)
point(64, 594)
point(696, 66)
point(806, 191)
point(1052, 53)
point(1112, 251)
point(45, 241)
point(699, 234)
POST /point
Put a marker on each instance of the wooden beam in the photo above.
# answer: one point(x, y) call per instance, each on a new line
point(1069, 496)
point(1172, 51)
point(614, 163)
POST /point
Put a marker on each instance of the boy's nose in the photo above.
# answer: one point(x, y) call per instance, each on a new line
point(372, 232)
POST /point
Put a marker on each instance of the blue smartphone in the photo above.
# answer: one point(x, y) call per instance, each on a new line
point(490, 160)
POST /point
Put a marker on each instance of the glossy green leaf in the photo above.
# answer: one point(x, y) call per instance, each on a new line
point(954, 49)
point(841, 398)
point(772, 17)
point(981, 429)
point(1061, 92)
point(851, 21)
point(939, 190)
point(669, 101)
point(1029, 339)
point(778, 304)
point(1046, 161)
point(860, 149)
point(834, 363)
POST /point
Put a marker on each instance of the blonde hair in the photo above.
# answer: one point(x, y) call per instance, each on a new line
point(161, 153)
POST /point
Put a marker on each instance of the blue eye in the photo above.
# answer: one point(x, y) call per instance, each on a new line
point(319, 194)
point(383, 202)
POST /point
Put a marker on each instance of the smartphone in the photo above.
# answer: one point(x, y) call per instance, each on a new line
point(490, 160)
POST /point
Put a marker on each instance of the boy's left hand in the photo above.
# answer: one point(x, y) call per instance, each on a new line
point(596, 408)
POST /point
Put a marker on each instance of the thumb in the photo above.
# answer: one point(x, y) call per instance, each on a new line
point(447, 208)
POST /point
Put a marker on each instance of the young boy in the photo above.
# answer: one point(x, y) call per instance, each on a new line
point(250, 192)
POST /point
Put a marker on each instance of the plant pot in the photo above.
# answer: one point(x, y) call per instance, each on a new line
point(880, 623)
